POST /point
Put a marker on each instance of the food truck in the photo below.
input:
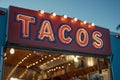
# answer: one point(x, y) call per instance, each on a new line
point(36, 45)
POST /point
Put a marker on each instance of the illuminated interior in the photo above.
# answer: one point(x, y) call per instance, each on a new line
point(33, 65)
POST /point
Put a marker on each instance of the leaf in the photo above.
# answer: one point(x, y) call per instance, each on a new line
point(118, 27)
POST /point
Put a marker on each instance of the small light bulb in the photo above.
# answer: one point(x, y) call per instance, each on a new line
point(54, 14)
point(75, 19)
point(85, 22)
point(45, 56)
point(36, 62)
point(65, 16)
point(62, 66)
point(12, 51)
point(27, 66)
point(93, 24)
point(69, 64)
point(41, 11)
point(49, 55)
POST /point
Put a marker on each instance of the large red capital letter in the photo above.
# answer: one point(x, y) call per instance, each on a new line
point(46, 31)
point(26, 20)
point(61, 34)
point(98, 43)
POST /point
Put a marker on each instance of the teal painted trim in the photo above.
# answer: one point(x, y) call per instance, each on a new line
point(115, 58)
point(3, 27)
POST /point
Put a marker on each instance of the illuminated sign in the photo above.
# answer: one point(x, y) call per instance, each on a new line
point(44, 30)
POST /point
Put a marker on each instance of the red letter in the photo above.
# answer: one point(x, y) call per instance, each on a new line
point(98, 43)
point(82, 37)
point(46, 31)
point(26, 20)
point(61, 34)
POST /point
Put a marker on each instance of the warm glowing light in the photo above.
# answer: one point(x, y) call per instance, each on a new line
point(44, 64)
point(85, 22)
point(48, 62)
point(65, 16)
point(56, 67)
point(45, 56)
point(69, 64)
point(93, 24)
point(89, 25)
point(49, 55)
point(30, 54)
point(90, 61)
point(75, 19)
point(58, 58)
point(27, 66)
point(12, 51)
point(59, 67)
point(12, 78)
point(62, 66)
point(5, 58)
point(36, 62)
point(54, 58)
point(51, 60)
point(41, 11)
point(33, 64)
point(42, 58)
point(54, 14)
point(5, 54)
point(75, 59)
point(48, 71)
point(52, 69)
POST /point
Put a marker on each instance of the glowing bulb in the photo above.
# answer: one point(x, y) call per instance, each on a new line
point(75, 19)
point(65, 16)
point(90, 61)
point(54, 58)
point(69, 64)
point(40, 60)
point(12, 51)
point(85, 22)
point(45, 56)
point(51, 60)
point(41, 11)
point(62, 66)
point(12, 78)
point(27, 66)
point(93, 24)
point(30, 54)
point(56, 67)
point(36, 62)
point(59, 67)
point(52, 69)
point(54, 14)
point(49, 55)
